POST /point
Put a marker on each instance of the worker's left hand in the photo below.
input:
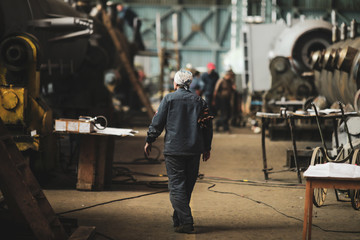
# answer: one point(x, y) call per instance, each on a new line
point(147, 149)
point(206, 156)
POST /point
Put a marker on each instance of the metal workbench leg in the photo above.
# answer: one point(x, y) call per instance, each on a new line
point(293, 138)
point(263, 129)
point(336, 133)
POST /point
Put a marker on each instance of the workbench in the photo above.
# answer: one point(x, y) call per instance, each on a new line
point(341, 179)
point(96, 156)
point(332, 114)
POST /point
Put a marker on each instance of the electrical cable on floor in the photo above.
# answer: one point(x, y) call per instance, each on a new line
point(146, 159)
point(253, 183)
point(120, 171)
point(112, 201)
point(123, 171)
point(276, 210)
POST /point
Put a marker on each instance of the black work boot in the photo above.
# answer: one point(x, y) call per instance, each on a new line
point(186, 228)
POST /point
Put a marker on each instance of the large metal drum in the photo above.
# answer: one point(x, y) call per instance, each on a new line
point(337, 79)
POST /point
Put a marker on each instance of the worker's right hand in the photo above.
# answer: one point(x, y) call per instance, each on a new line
point(147, 149)
point(206, 156)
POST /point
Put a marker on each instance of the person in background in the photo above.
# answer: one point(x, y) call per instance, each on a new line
point(210, 78)
point(223, 93)
point(197, 85)
point(125, 13)
point(185, 117)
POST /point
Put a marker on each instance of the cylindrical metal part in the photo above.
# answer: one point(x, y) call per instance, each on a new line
point(340, 84)
point(328, 59)
point(324, 86)
point(299, 41)
point(16, 53)
point(288, 19)
point(9, 100)
point(346, 58)
point(335, 57)
point(343, 31)
point(333, 17)
point(335, 34)
point(353, 29)
point(355, 71)
point(315, 60)
point(279, 64)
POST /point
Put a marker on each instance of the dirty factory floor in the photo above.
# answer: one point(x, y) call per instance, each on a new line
point(230, 201)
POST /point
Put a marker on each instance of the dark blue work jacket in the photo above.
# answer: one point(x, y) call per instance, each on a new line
point(179, 113)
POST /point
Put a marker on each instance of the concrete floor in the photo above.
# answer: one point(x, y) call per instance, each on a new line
point(229, 210)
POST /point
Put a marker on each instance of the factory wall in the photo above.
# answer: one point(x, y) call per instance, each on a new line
point(204, 26)
point(203, 32)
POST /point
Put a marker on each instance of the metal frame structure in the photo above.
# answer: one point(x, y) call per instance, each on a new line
point(201, 28)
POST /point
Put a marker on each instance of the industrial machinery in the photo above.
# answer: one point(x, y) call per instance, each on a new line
point(343, 154)
point(337, 78)
point(52, 63)
point(277, 66)
point(22, 109)
point(291, 78)
point(336, 68)
point(277, 73)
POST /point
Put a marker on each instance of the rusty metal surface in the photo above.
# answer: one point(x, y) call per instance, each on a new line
point(13, 104)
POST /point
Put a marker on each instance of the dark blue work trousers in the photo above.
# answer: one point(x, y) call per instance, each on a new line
point(182, 172)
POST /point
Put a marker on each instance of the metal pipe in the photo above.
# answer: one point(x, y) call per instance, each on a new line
point(343, 32)
point(345, 124)
point(335, 34)
point(293, 138)
point(264, 124)
point(233, 24)
point(273, 11)
point(353, 29)
point(288, 19)
point(333, 18)
point(318, 124)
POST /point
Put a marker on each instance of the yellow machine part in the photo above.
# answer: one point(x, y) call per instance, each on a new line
point(33, 76)
point(22, 107)
point(40, 117)
point(13, 102)
point(34, 145)
point(2, 75)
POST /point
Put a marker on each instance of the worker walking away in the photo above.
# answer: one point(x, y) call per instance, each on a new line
point(188, 125)
point(210, 78)
point(223, 93)
point(197, 85)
